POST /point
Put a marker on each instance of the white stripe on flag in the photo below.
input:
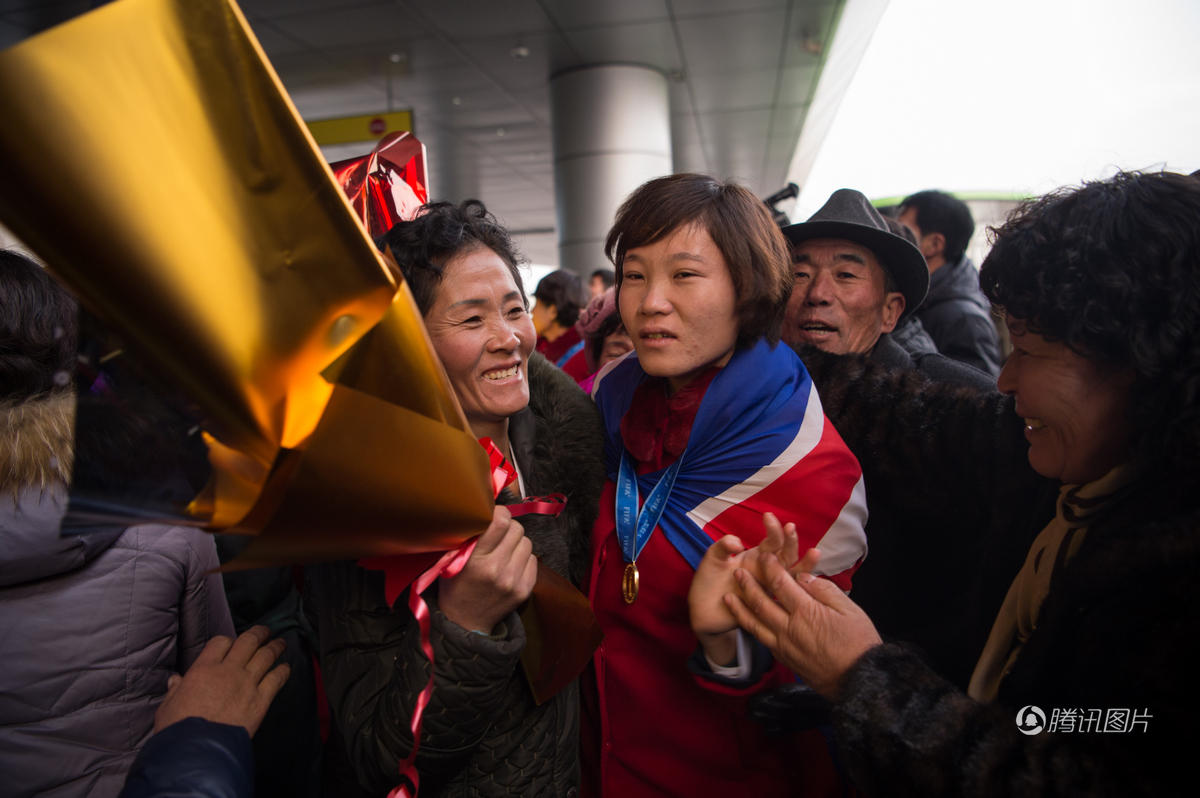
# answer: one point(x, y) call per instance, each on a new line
point(845, 543)
point(807, 437)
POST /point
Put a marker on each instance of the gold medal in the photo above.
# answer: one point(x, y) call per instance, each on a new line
point(629, 583)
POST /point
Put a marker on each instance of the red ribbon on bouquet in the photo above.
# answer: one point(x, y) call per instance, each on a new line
point(399, 572)
point(504, 474)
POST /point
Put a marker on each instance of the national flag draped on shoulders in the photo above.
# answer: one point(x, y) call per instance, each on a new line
point(760, 443)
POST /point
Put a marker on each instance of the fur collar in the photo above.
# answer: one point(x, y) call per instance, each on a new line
point(36, 442)
point(559, 444)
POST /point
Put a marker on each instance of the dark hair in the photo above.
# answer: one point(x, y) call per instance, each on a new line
point(38, 330)
point(1112, 269)
point(606, 276)
point(440, 231)
point(563, 290)
point(740, 225)
point(903, 231)
point(939, 212)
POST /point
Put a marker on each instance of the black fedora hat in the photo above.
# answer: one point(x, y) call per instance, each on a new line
point(849, 215)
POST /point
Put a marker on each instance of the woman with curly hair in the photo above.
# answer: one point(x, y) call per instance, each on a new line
point(1087, 681)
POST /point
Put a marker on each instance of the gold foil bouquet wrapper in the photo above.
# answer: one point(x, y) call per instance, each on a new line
point(154, 162)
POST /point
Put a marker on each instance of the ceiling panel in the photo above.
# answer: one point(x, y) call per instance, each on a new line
point(733, 42)
point(495, 56)
point(736, 90)
point(343, 100)
point(786, 121)
point(570, 14)
point(810, 32)
point(355, 25)
point(796, 84)
point(33, 16)
point(276, 41)
point(691, 8)
point(649, 43)
point(11, 33)
point(474, 19)
point(276, 8)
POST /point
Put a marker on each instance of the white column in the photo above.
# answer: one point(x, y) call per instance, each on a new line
point(612, 132)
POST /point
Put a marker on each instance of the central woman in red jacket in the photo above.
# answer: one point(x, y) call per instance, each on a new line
point(709, 424)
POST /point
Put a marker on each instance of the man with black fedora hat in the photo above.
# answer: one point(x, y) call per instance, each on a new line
point(855, 281)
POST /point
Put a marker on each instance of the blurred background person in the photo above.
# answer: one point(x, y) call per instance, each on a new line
point(955, 313)
point(93, 624)
point(909, 333)
point(559, 298)
point(604, 336)
point(482, 733)
point(600, 281)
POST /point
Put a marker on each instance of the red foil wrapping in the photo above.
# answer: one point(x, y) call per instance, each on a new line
point(388, 184)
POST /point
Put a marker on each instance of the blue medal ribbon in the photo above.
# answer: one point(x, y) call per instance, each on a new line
point(634, 528)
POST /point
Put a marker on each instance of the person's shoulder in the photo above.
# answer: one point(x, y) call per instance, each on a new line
point(888, 352)
point(173, 542)
point(553, 394)
point(943, 369)
point(955, 282)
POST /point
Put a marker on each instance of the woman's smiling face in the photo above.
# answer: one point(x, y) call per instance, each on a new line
point(1076, 410)
point(483, 335)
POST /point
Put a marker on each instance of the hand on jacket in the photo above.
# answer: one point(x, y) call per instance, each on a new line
point(713, 623)
point(497, 578)
point(808, 623)
point(231, 682)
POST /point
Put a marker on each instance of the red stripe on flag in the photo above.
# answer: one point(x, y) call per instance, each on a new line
point(811, 494)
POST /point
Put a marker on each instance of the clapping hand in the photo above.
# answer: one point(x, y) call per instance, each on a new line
point(809, 624)
point(712, 621)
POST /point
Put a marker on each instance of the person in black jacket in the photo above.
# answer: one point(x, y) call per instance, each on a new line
point(483, 733)
point(955, 314)
point(1086, 683)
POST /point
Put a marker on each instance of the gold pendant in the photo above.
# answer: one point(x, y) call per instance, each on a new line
point(629, 583)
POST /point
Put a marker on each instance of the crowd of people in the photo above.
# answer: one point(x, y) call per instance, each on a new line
point(836, 542)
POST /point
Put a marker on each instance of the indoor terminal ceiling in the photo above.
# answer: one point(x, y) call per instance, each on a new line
point(475, 74)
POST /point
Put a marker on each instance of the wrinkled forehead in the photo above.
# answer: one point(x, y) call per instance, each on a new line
point(826, 251)
point(480, 271)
